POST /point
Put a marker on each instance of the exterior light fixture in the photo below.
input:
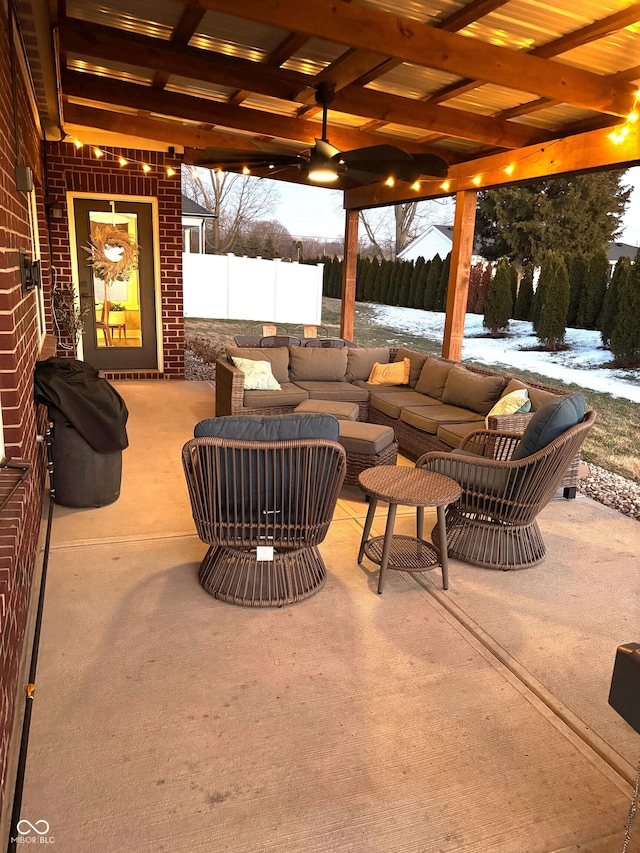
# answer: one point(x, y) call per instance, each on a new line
point(246, 170)
point(146, 167)
point(122, 161)
point(98, 152)
point(390, 182)
point(170, 172)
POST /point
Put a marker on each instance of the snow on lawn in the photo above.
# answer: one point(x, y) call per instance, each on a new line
point(580, 364)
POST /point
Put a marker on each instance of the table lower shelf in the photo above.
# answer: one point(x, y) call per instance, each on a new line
point(407, 553)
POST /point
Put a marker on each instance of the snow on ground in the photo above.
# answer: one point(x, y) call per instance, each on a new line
point(581, 364)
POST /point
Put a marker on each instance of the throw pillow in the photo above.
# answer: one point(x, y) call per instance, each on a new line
point(509, 404)
point(257, 375)
point(549, 422)
point(396, 373)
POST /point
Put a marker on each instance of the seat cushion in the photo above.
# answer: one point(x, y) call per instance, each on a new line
point(278, 358)
point(392, 402)
point(368, 439)
point(549, 422)
point(429, 418)
point(453, 434)
point(341, 391)
point(269, 427)
point(289, 396)
point(360, 360)
point(316, 364)
point(433, 377)
point(340, 411)
point(472, 391)
point(378, 389)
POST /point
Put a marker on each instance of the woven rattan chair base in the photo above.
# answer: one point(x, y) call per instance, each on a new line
point(491, 544)
point(359, 462)
point(236, 576)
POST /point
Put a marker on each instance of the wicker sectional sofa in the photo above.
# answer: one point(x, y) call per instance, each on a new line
point(442, 403)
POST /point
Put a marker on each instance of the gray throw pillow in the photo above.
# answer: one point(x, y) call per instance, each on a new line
point(549, 422)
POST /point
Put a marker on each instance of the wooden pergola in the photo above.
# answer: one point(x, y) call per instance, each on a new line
point(504, 90)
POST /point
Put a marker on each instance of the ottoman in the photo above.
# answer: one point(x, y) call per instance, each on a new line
point(340, 411)
point(367, 445)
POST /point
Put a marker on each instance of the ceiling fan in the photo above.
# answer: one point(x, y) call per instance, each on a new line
point(325, 164)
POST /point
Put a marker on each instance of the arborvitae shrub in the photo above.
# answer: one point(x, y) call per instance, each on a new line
point(522, 310)
point(551, 322)
point(625, 336)
point(497, 305)
point(611, 305)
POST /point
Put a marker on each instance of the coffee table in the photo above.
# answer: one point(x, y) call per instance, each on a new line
point(408, 487)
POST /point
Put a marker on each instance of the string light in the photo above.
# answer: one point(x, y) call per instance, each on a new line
point(619, 135)
point(123, 161)
point(415, 185)
point(445, 185)
point(246, 170)
point(477, 180)
point(510, 169)
point(390, 182)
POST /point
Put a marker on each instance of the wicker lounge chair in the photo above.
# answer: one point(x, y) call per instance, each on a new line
point(263, 494)
point(493, 524)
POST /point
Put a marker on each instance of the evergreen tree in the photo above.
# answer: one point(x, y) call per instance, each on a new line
point(611, 305)
point(396, 276)
point(421, 285)
point(385, 282)
point(268, 249)
point(513, 269)
point(577, 266)
point(551, 322)
point(431, 285)
point(405, 284)
point(415, 282)
point(524, 299)
point(370, 280)
point(361, 275)
point(523, 222)
point(625, 336)
point(595, 287)
point(378, 283)
point(497, 305)
point(441, 296)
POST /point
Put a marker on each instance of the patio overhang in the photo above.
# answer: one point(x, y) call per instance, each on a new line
point(502, 94)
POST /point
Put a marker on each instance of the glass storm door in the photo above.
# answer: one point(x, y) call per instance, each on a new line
point(117, 298)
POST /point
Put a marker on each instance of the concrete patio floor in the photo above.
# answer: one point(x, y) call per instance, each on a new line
point(421, 720)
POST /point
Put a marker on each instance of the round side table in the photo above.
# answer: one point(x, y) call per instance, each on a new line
point(399, 485)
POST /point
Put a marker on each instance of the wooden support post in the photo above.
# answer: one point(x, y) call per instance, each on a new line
point(349, 269)
point(458, 286)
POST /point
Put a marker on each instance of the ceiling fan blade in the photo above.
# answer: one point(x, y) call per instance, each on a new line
point(221, 157)
point(326, 150)
point(431, 164)
point(373, 153)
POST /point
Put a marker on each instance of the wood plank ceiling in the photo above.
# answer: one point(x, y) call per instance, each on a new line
point(463, 80)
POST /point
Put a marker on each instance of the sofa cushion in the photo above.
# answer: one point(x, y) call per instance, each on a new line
point(390, 374)
point(429, 418)
point(317, 364)
point(360, 360)
point(433, 377)
point(257, 375)
point(342, 391)
point(453, 434)
point(269, 427)
point(287, 398)
point(540, 398)
point(416, 358)
point(392, 403)
point(514, 385)
point(278, 358)
point(471, 390)
point(549, 422)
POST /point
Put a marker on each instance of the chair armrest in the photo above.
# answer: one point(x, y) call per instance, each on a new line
point(229, 389)
point(509, 423)
point(492, 444)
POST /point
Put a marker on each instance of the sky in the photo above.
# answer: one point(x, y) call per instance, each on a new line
point(582, 364)
point(317, 211)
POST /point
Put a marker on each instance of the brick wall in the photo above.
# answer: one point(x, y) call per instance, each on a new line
point(19, 349)
point(71, 169)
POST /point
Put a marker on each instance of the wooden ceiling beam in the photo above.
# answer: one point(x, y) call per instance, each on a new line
point(570, 41)
point(285, 50)
point(168, 132)
point(408, 40)
point(115, 45)
point(90, 87)
point(586, 152)
point(182, 32)
point(247, 76)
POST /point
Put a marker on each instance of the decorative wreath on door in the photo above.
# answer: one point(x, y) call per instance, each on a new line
point(113, 253)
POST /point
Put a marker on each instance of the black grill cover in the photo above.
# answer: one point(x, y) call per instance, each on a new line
point(90, 404)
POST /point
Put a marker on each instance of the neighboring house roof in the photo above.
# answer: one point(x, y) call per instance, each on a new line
point(192, 208)
point(615, 251)
point(435, 239)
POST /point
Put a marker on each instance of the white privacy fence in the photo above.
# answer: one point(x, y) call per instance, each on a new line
point(229, 288)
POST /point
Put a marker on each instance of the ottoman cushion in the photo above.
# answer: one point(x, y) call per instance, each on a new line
point(367, 439)
point(341, 411)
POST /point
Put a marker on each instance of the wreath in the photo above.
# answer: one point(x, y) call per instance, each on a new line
point(113, 254)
